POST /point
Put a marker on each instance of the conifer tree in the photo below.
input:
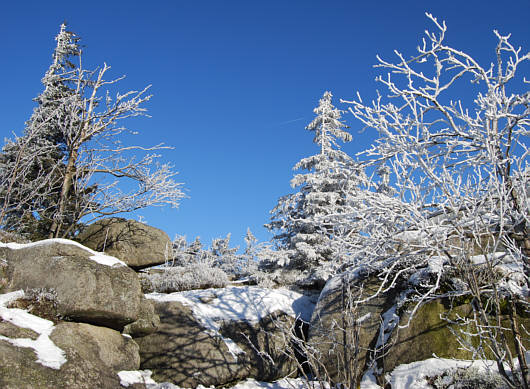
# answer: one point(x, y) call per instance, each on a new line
point(307, 222)
point(31, 167)
point(69, 163)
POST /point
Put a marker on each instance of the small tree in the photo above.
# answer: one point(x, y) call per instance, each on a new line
point(305, 221)
point(76, 159)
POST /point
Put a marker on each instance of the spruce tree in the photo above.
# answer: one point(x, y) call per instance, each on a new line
point(32, 166)
point(307, 222)
point(69, 165)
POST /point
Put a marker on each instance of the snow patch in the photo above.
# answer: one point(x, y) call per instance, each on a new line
point(48, 354)
point(100, 258)
point(284, 383)
point(131, 377)
point(213, 307)
point(412, 375)
point(390, 321)
point(369, 381)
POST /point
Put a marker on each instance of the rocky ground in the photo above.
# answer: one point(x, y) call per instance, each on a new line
point(73, 317)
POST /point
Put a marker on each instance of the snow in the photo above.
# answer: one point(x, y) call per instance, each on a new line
point(131, 377)
point(242, 303)
point(213, 307)
point(390, 320)
point(368, 381)
point(100, 258)
point(332, 285)
point(412, 375)
point(515, 280)
point(285, 383)
point(48, 354)
point(435, 265)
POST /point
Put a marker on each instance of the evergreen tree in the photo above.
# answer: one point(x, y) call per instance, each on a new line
point(69, 163)
point(307, 222)
point(32, 166)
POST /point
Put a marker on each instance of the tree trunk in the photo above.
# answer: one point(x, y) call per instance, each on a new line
point(68, 180)
point(518, 345)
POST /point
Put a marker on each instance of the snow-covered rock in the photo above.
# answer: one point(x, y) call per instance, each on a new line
point(39, 354)
point(90, 287)
point(204, 335)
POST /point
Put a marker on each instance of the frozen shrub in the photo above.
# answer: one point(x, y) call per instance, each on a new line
point(40, 302)
point(180, 278)
point(470, 378)
point(41, 295)
point(8, 236)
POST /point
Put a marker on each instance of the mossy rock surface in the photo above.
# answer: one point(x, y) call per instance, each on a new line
point(429, 334)
point(335, 311)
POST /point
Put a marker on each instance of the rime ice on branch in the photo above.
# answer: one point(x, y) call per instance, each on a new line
point(70, 163)
point(461, 177)
point(307, 222)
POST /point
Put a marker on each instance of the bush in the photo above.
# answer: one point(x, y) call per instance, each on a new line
point(8, 236)
point(180, 278)
point(41, 302)
point(470, 378)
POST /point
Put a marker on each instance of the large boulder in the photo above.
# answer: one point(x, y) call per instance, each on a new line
point(135, 243)
point(429, 334)
point(89, 287)
point(147, 323)
point(113, 349)
point(216, 336)
point(264, 346)
point(92, 358)
point(184, 353)
point(341, 332)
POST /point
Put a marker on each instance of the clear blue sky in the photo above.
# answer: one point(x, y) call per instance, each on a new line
point(235, 82)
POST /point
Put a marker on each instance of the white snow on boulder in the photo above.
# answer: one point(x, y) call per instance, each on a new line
point(241, 303)
point(213, 307)
point(412, 375)
point(48, 354)
point(284, 383)
point(100, 258)
point(131, 377)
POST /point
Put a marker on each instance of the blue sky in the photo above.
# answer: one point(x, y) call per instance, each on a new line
point(235, 82)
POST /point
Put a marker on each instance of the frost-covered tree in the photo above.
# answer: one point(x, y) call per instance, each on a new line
point(457, 220)
point(31, 166)
point(224, 256)
point(70, 163)
point(306, 222)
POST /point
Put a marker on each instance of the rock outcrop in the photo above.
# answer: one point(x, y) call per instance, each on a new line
point(135, 243)
point(218, 336)
point(428, 334)
point(90, 288)
point(343, 333)
point(184, 353)
point(93, 357)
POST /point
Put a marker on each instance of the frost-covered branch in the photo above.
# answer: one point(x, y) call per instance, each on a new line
point(70, 164)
